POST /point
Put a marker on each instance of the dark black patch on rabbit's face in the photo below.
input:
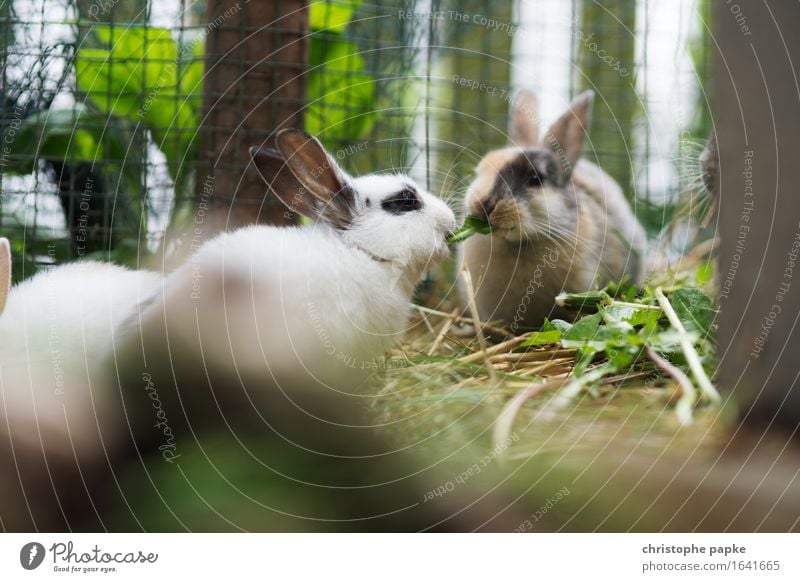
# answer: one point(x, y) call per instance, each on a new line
point(533, 168)
point(522, 186)
point(406, 200)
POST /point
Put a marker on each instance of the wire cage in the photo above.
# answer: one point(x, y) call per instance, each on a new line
point(125, 135)
point(123, 121)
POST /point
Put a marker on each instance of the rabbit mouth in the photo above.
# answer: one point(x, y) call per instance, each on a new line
point(512, 233)
point(441, 250)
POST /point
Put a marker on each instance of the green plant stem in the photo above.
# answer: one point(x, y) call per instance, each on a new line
point(472, 226)
point(571, 390)
point(692, 357)
point(595, 299)
point(635, 305)
point(683, 409)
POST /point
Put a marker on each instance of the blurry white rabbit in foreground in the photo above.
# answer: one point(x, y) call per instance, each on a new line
point(56, 335)
point(57, 329)
point(100, 365)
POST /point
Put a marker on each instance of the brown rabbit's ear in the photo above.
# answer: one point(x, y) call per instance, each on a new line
point(276, 173)
point(5, 272)
point(525, 119)
point(319, 173)
point(566, 136)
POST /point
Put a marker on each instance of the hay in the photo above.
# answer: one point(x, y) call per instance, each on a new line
point(444, 378)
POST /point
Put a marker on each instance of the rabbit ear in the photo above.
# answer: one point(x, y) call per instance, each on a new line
point(276, 173)
point(318, 172)
point(5, 272)
point(566, 136)
point(525, 119)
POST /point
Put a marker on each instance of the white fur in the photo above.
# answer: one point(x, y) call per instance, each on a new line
point(414, 239)
point(57, 331)
point(306, 299)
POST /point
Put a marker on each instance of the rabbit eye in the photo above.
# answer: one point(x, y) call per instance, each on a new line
point(404, 201)
point(534, 180)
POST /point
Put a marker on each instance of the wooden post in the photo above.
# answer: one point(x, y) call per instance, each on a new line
point(254, 85)
point(758, 128)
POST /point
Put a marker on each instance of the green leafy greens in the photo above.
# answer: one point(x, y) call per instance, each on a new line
point(472, 225)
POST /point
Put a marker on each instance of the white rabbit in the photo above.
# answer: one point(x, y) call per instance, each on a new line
point(351, 274)
point(559, 222)
point(56, 335)
point(57, 327)
point(290, 307)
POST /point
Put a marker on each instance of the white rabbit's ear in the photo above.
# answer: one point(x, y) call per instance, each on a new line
point(525, 119)
point(566, 136)
point(319, 173)
point(276, 173)
point(5, 272)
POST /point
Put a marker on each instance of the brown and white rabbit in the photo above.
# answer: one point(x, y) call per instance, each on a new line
point(560, 223)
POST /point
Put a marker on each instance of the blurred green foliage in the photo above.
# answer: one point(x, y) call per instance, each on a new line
point(141, 74)
point(341, 94)
point(606, 47)
point(136, 77)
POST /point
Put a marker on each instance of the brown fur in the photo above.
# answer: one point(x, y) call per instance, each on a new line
point(5, 272)
point(560, 223)
point(306, 178)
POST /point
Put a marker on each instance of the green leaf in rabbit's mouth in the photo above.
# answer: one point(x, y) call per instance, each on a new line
point(472, 225)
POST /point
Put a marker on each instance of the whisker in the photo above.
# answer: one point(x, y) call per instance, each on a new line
point(559, 235)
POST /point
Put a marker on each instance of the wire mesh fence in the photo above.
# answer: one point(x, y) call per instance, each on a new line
point(122, 121)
